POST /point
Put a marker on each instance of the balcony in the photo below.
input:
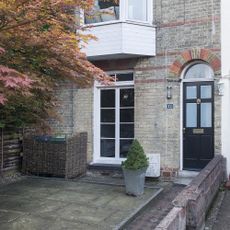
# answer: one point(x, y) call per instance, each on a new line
point(123, 30)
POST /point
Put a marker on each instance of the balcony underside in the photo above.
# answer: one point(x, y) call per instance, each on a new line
point(115, 56)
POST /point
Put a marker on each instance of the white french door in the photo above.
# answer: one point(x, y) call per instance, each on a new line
point(114, 127)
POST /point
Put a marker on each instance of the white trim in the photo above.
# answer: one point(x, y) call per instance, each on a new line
point(123, 11)
point(102, 23)
point(225, 71)
point(198, 79)
point(96, 122)
point(108, 160)
point(183, 80)
point(119, 71)
point(225, 122)
point(97, 107)
point(117, 84)
point(181, 124)
point(127, 21)
point(117, 122)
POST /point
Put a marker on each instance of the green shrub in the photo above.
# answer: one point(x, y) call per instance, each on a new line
point(136, 158)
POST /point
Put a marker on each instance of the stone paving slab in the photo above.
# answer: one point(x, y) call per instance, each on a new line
point(157, 209)
point(37, 204)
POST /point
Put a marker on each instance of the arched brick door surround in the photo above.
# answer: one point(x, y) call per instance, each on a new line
point(191, 55)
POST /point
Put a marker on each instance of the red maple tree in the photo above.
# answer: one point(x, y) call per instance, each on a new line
point(40, 45)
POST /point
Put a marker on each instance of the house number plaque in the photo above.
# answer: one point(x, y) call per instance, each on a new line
point(169, 106)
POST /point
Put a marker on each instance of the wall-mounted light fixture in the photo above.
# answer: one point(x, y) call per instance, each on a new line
point(220, 88)
point(169, 92)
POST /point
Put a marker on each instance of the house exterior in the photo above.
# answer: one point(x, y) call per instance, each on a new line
point(165, 57)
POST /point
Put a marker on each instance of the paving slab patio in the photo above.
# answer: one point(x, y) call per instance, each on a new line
point(37, 204)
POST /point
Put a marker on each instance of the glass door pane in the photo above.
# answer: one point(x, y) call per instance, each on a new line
point(124, 147)
point(127, 98)
point(107, 148)
point(206, 115)
point(108, 115)
point(206, 91)
point(126, 115)
point(191, 92)
point(126, 120)
point(126, 130)
point(108, 123)
point(191, 115)
point(108, 98)
point(107, 130)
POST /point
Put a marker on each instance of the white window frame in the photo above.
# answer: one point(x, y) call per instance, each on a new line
point(97, 107)
point(149, 12)
point(123, 14)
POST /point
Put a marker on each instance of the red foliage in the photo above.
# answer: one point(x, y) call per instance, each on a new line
point(52, 35)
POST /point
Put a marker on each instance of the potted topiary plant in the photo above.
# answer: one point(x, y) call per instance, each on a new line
point(134, 169)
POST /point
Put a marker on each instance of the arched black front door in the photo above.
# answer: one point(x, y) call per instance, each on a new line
point(198, 124)
point(198, 116)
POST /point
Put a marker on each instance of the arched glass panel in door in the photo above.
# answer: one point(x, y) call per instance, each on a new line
point(199, 70)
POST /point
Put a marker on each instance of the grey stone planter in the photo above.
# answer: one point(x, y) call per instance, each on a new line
point(134, 181)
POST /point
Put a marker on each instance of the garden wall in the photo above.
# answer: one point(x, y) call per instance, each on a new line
point(192, 204)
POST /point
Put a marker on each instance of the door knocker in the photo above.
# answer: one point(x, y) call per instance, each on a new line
point(198, 101)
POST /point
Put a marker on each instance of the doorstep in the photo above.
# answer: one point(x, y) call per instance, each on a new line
point(104, 170)
point(185, 177)
point(109, 167)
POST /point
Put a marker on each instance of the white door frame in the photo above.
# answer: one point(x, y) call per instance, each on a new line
point(181, 104)
point(96, 119)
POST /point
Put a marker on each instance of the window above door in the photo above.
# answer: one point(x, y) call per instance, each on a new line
point(199, 71)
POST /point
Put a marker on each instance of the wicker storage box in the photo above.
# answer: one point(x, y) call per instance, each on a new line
point(48, 156)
